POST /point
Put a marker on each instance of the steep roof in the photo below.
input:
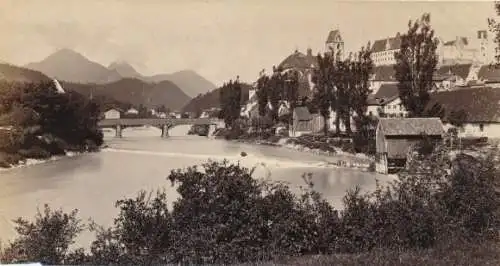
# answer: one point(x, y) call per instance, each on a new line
point(302, 113)
point(481, 104)
point(489, 73)
point(461, 70)
point(385, 94)
point(386, 44)
point(410, 126)
point(464, 40)
point(332, 36)
point(298, 60)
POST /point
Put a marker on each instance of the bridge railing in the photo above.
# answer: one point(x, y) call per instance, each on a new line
point(158, 121)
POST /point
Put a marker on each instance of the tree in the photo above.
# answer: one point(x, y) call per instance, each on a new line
point(262, 92)
point(275, 92)
point(324, 81)
point(457, 118)
point(230, 102)
point(291, 91)
point(495, 28)
point(415, 65)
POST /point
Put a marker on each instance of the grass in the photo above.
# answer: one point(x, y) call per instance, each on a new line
point(487, 253)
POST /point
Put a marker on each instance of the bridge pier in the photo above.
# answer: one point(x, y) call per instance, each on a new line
point(164, 131)
point(118, 132)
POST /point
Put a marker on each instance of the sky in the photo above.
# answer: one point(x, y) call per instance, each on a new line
point(219, 39)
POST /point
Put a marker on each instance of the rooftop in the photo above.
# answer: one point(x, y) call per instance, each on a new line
point(411, 126)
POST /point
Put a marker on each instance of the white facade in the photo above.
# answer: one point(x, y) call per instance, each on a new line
point(112, 114)
point(477, 130)
point(384, 57)
point(393, 108)
point(132, 111)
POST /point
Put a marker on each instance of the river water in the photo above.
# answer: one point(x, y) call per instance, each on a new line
point(92, 183)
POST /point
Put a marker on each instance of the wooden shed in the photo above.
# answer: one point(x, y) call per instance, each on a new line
point(396, 136)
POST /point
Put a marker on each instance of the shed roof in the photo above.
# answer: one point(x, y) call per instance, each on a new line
point(302, 113)
point(385, 94)
point(411, 126)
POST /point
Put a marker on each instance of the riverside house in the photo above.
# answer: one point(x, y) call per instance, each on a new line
point(482, 108)
point(304, 122)
point(112, 113)
point(396, 136)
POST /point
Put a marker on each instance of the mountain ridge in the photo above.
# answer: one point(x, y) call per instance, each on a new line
point(84, 70)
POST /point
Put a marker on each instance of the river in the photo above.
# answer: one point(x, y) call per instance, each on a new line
point(92, 183)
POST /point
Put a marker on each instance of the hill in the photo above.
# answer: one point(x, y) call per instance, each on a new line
point(11, 73)
point(191, 82)
point(71, 66)
point(66, 64)
point(211, 99)
point(134, 92)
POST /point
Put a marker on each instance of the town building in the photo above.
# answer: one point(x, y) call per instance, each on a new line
point(335, 44)
point(482, 108)
point(395, 137)
point(385, 102)
point(132, 111)
point(304, 122)
point(384, 50)
point(112, 113)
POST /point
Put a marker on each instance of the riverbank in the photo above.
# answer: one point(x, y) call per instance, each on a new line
point(340, 152)
point(30, 161)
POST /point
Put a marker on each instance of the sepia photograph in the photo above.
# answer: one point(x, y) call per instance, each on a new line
point(249, 132)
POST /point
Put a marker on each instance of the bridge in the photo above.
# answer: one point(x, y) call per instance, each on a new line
point(164, 123)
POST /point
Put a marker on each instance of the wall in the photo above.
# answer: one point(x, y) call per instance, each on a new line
point(490, 130)
point(384, 57)
point(112, 114)
point(395, 109)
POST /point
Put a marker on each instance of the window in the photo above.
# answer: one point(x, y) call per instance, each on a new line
point(481, 127)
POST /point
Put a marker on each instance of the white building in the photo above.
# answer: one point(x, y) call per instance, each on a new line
point(383, 50)
point(482, 108)
point(112, 114)
point(132, 111)
point(385, 102)
point(462, 51)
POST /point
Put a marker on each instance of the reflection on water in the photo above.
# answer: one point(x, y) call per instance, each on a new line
point(143, 160)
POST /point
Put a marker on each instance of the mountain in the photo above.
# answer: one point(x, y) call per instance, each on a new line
point(124, 69)
point(13, 73)
point(212, 99)
point(68, 65)
point(135, 92)
point(191, 82)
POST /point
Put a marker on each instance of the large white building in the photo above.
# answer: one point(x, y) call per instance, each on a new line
point(383, 50)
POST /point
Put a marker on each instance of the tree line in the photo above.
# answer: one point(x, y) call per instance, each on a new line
point(40, 122)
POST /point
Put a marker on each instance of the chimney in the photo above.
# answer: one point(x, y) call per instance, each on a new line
point(309, 52)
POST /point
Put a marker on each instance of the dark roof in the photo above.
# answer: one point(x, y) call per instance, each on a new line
point(333, 35)
point(385, 94)
point(298, 60)
point(384, 73)
point(410, 126)
point(489, 73)
point(399, 148)
point(461, 70)
point(386, 44)
point(481, 104)
point(463, 39)
point(302, 113)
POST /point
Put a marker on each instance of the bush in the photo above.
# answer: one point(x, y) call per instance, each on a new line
point(224, 215)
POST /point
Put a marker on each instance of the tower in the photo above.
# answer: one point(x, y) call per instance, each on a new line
point(335, 44)
point(482, 36)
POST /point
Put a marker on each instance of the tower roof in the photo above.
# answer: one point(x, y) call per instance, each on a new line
point(334, 36)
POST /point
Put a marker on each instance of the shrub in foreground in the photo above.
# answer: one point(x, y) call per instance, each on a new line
point(224, 215)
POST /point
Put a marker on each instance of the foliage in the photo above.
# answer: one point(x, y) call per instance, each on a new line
point(225, 215)
point(47, 240)
point(343, 86)
point(262, 91)
point(45, 122)
point(494, 27)
point(415, 65)
point(457, 118)
point(230, 96)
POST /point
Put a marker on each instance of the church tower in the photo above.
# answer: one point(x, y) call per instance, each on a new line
point(335, 44)
point(482, 37)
